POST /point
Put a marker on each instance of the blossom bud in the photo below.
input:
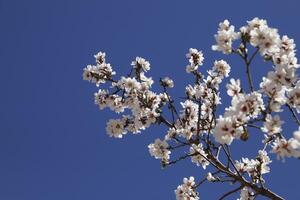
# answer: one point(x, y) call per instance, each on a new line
point(245, 136)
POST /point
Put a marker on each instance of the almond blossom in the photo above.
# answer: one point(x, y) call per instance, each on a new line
point(198, 128)
point(186, 190)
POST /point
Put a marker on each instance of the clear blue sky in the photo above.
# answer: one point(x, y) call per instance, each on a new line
point(53, 143)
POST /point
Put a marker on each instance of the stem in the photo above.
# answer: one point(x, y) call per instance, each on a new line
point(181, 158)
point(166, 122)
point(172, 107)
point(249, 76)
point(230, 159)
point(230, 192)
point(253, 55)
point(247, 62)
point(205, 179)
point(199, 118)
point(254, 126)
point(294, 114)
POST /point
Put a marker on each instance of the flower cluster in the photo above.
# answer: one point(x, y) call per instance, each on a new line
point(186, 191)
point(272, 125)
point(262, 36)
point(167, 82)
point(287, 148)
point(132, 92)
point(195, 58)
point(225, 37)
point(255, 167)
point(141, 64)
point(198, 155)
point(116, 128)
point(293, 97)
point(159, 149)
point(234, 87)
point(279, 83)
point(243, 108)
point(99, 73)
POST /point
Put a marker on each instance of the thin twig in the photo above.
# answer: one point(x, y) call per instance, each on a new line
point(294, 114)
point(253, 55)
point(249, 76)
point(231, 192)
point(254, 126)
point(230, 159)
point(181, 158)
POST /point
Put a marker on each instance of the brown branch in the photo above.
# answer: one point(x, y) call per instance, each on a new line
point(176, 147)
point(253, 55)
point(205, 179)
point(199, 118)
point(165, 121)
point(254, 126)
point(249, 76)
point(247, 62)
point(294, 114)
point(230, 159)
point(230, 192)
point(259, 190)
point(181, 158)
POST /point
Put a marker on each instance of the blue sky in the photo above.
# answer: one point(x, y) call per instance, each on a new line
point(53, 143)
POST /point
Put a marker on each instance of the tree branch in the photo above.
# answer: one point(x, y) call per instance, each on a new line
point(230, 192)
point(294, 114)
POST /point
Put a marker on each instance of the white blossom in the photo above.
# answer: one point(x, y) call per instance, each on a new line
point(225, 37)
point(264, 160)
point(246, 194)
point(115, 128)
point(101, 98)
point(282, 76)
point(141, 63)
point(172, 132)
point(98, 73)
point(148, 81)
point(266, 39)
point(199, 155)
point(226, 130)
point(100, 57)
point(286, 56)
point(159, 149)
point(286, 148)
point(167, 82)
point(210, 177)
point(256, 23)
point(190, 128)
point(195, 57)
point(191, 68)
point(294, 97)
point(222, 68)
point(297, 135)
point(245, 106)
point(186, 191)
point(272, 124)
point(189, 113)
point(276, 92)
point(128, 84)
point(234, 87)
point(255, 167)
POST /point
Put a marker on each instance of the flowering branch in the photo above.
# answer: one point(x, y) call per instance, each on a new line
point(195, 125)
